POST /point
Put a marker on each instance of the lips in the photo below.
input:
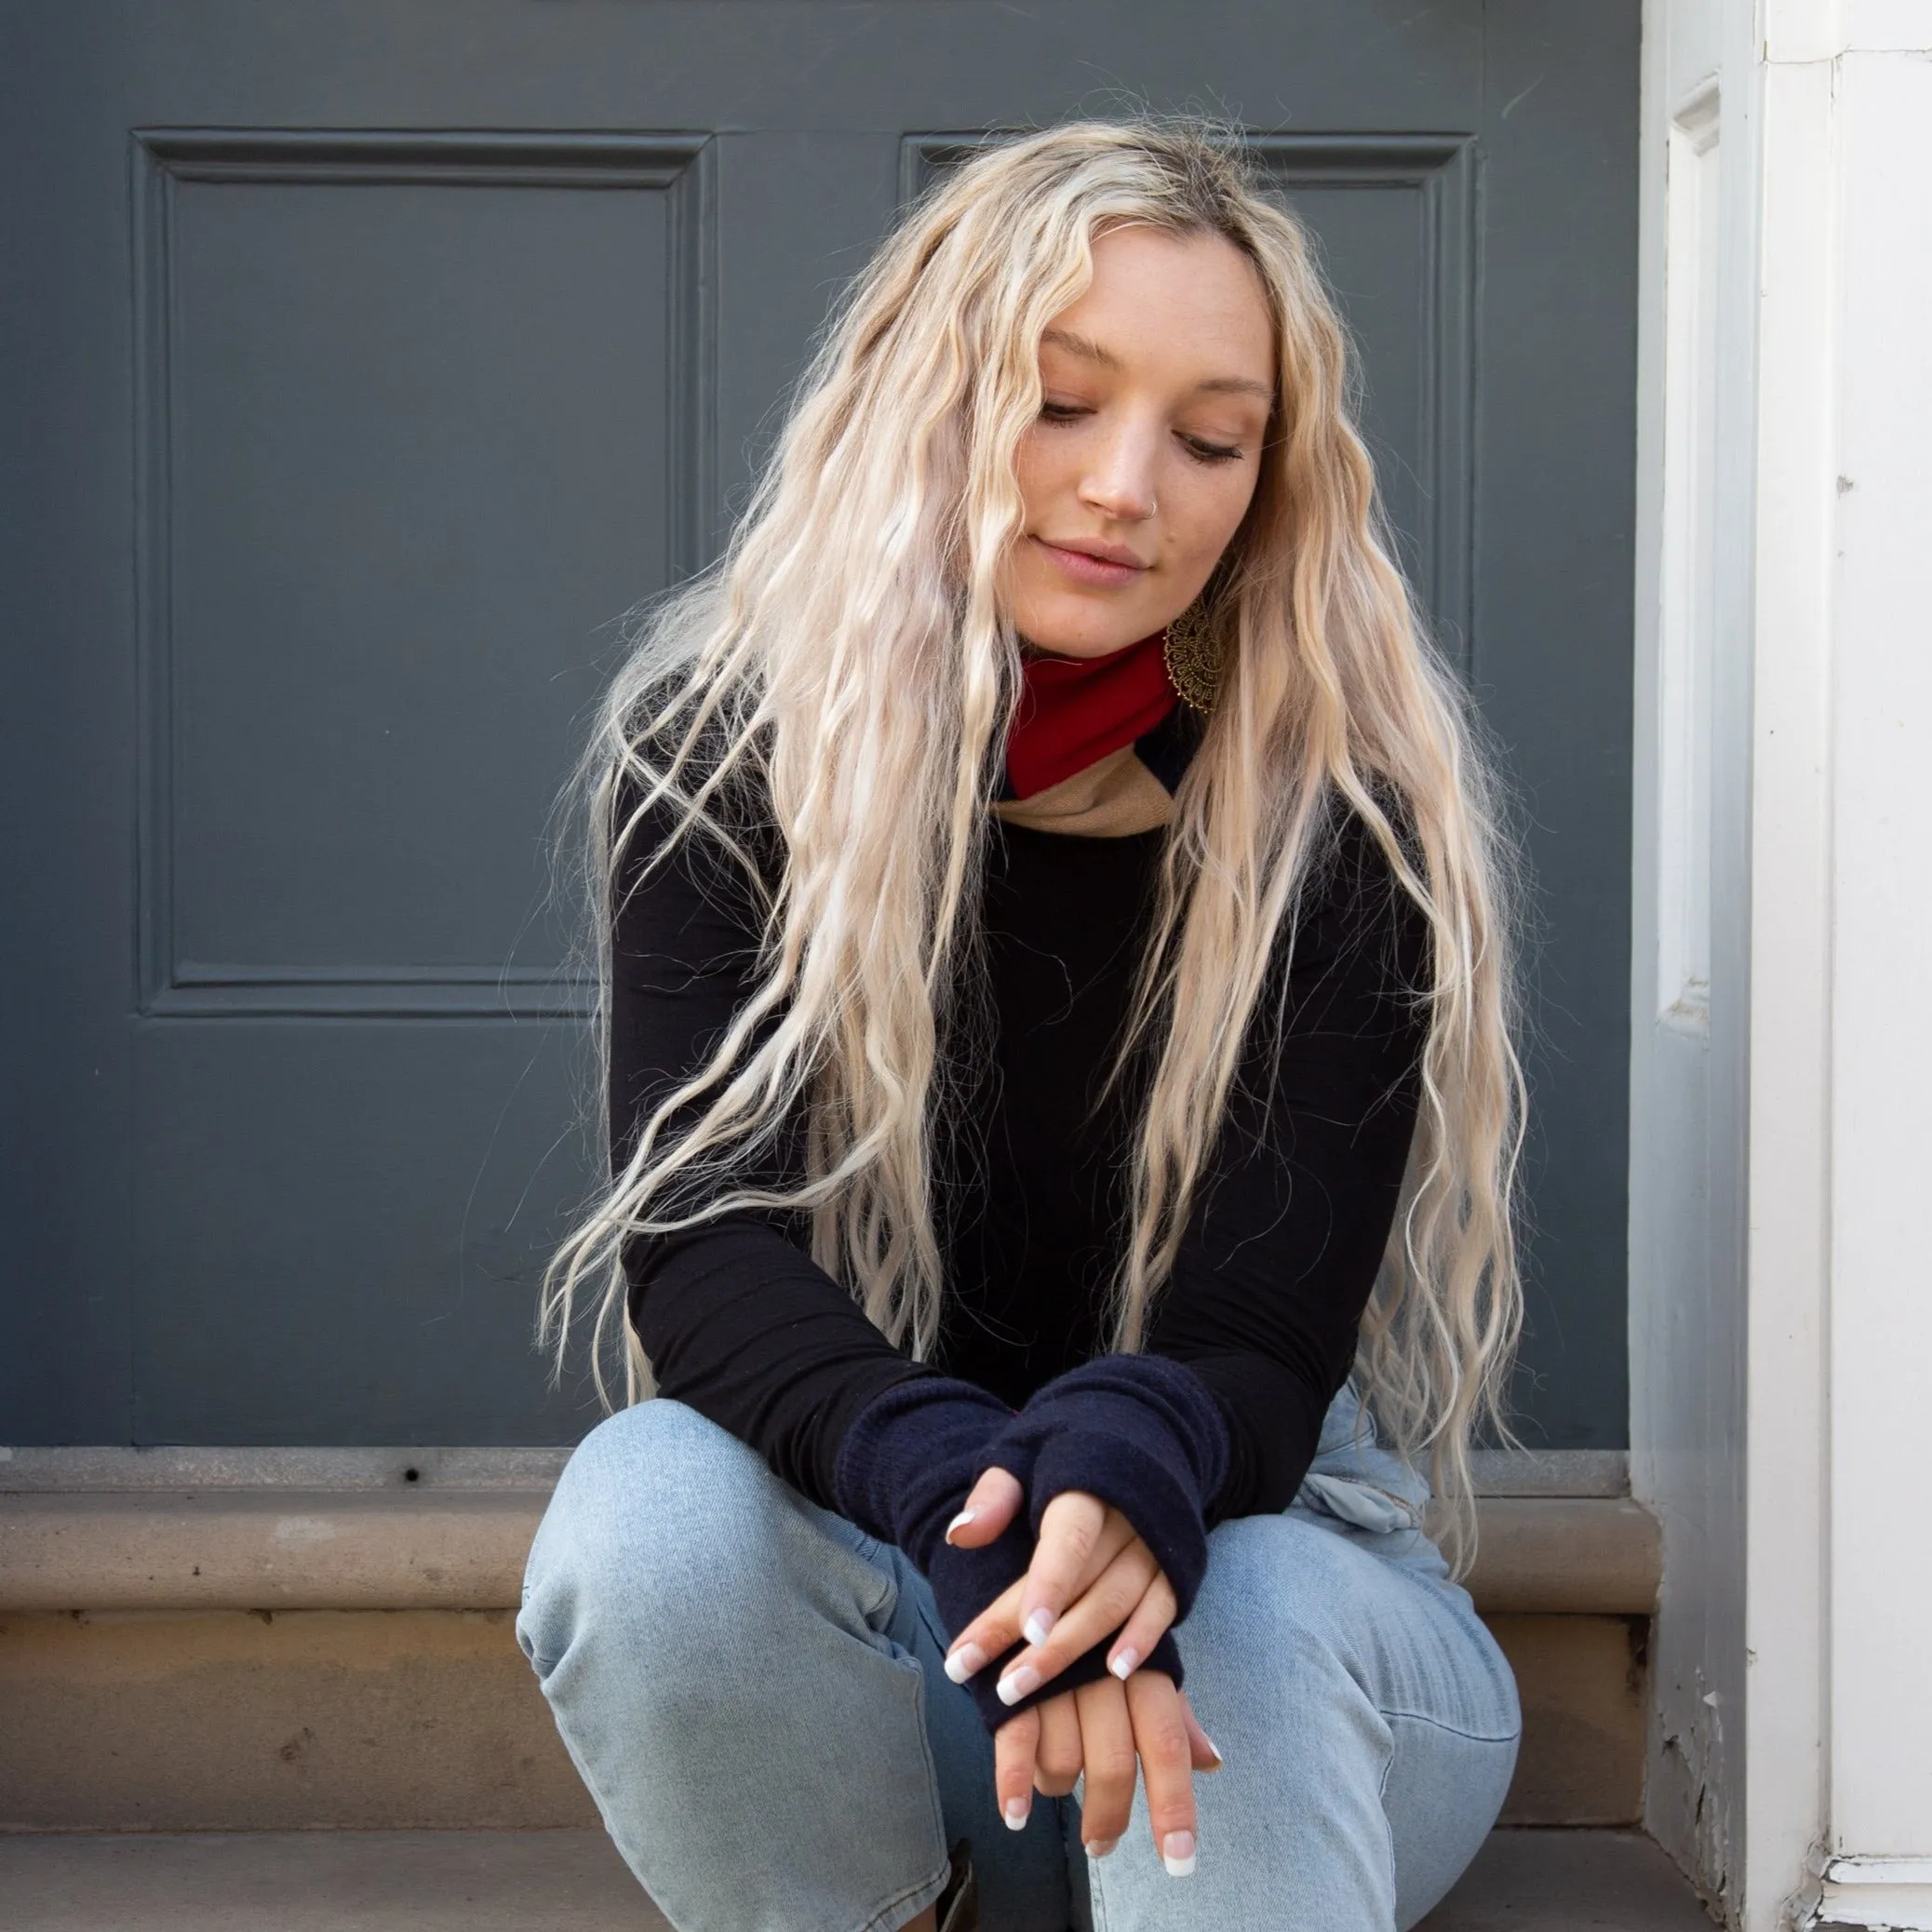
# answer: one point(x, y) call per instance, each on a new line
point(1106, 566)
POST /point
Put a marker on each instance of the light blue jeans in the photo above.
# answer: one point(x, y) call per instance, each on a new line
point(751, 1688)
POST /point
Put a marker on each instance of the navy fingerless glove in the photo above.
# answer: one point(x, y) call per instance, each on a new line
point(1145, 1435)
point(1139, 1431)
point(902, 1473)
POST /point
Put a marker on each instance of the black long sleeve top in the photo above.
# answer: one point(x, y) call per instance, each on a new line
point(1289, 1219)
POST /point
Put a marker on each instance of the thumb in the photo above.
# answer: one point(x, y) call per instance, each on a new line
point(995, 1501)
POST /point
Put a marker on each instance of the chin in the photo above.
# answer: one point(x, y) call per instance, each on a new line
point(1082, 634)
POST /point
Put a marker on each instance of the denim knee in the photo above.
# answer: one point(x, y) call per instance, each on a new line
point(1280, 1585)
point(660, 1521)
point(1299, 1604)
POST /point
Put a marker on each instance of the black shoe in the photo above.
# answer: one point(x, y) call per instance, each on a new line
point(957, 1908)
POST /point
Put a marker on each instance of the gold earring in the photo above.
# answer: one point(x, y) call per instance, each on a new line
point(1194, 656)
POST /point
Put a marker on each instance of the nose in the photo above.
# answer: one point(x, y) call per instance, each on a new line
point(1120, 482)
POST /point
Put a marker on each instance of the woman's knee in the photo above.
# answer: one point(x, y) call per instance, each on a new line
point(660, 1518)
point(1293, 1613)
point(1279, 1589)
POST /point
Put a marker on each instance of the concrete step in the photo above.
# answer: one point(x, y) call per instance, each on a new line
point(270, 1640)
point(567, 1881)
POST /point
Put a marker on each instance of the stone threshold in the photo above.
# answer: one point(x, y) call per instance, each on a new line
point(1558, 1473)
point(195, 1528)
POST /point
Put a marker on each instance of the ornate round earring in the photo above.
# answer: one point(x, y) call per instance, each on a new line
point(1194, 655)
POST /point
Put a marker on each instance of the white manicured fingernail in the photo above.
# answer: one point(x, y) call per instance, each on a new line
point(1123, 1664)
point(959, 1522)
point(1100, 1846)
point(1178, 1854)
point(1018, 1683)
point(1038, 1625)
point(964, 1661)
point(1212, 1747)
point(1016, 1814)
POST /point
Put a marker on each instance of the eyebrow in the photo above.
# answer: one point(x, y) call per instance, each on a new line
point(1087, 347)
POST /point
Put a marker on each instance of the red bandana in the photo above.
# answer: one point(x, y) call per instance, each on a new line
point(1074, 711)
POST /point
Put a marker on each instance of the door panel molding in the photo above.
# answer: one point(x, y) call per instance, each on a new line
point(1440, 170)
point(680, 166)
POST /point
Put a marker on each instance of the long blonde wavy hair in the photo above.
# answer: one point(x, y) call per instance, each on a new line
point(846, 669)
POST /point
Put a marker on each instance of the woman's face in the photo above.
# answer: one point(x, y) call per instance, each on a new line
point(1158, 383)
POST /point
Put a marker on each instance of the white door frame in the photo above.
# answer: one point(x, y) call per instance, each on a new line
point(1781, 1305)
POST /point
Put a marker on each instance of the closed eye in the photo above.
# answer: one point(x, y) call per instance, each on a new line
point(1198, 448)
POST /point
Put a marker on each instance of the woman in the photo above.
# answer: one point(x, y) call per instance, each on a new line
point(1055, 1031)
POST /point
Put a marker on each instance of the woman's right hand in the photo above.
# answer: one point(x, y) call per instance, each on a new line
point(1091, 1575)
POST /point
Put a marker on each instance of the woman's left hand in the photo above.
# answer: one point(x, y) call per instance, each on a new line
point(1091, 1574)
point(1106, 1731)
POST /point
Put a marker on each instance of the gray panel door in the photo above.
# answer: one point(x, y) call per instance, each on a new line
point(365, 361)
